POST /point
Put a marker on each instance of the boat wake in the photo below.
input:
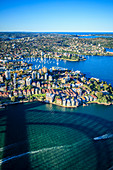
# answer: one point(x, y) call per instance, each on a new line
point(106, 136)
point(11, 146)
point(5, 160)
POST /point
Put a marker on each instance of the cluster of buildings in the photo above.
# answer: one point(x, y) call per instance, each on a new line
point(61, 87)
point(63, 46)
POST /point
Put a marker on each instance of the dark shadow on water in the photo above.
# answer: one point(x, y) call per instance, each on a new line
point(16, 137)
point(16, 133)
point(104, 156)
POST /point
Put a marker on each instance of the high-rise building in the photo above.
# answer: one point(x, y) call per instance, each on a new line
point(34, 75)
point(40, 71)
point(28, 81)
point(44, 69)
point(7, 75)
point(42, 53)
point(14, 79)
point(38, 75)
point(15, 75)
point(50, 78)
point(46, 76)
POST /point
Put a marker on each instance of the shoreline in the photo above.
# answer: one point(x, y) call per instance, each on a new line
point(2, 106)
point(106, 104)
point(64, 59)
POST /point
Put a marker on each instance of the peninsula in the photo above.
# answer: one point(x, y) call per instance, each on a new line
point(58, 86)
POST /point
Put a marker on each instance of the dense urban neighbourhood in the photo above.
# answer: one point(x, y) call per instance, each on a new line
point(20, 83)
point(58, 86)
point(64, 46)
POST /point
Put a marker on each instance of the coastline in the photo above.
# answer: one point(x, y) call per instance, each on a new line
point(63, 58)
point(2, 106)
point(95, 102)
point(74, 60)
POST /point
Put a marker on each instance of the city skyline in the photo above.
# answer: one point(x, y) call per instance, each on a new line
point(56, 16)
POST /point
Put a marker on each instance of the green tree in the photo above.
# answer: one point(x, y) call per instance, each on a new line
point(13, 99)
point(99, 95)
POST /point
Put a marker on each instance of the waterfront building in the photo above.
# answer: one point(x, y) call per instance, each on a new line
point(44, 69)
point(7, 74)
point(59, 101)
point(68, 102)
point(64, 102)
point(77, 102)
point(72, 102)
point(50, 97)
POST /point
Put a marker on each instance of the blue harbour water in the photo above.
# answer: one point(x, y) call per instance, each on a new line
point(44, 136)
point(95, 66)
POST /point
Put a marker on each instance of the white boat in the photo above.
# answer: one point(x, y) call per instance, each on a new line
point(106, 136)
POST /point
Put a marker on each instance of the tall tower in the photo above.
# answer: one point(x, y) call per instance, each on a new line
point(7, 75)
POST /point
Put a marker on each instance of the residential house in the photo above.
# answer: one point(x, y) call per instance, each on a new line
point(24, 92)
point(28, 92)
point(64, 102)
point(38, 84)
point(49, 86)
point(20, 93)
point(50, 78)
point(36, 91)
point(15, 93)
point(59, 101)
point(33, 91)
point(50, 97)
point(34, 84)
point(72, 102)
point(94, 97)
point(68, 102)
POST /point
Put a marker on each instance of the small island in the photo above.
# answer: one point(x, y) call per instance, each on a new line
point(58, 86)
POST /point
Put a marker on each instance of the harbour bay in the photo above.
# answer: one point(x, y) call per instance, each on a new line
point(45, 136)
point(56, 85)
